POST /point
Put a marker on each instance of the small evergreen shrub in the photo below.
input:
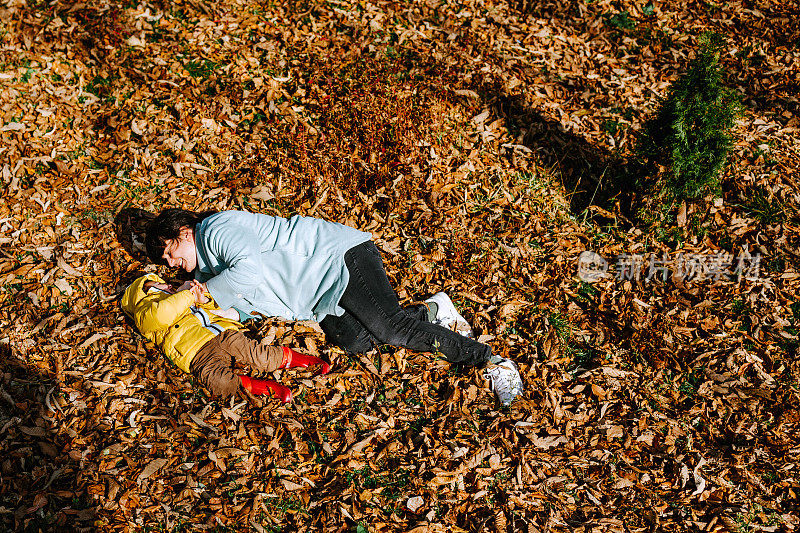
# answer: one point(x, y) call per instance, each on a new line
point(690, 134)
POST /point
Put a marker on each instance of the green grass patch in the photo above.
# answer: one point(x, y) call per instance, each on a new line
point(201, 68)
point(763, 207)
point(621, 20)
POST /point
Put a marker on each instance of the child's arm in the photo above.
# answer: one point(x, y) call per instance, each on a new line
point(164, 313)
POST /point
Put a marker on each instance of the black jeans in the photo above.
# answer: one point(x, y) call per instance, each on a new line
point(373, 316)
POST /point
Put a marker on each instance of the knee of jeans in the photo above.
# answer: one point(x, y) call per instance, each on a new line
point(348, 340)
point(357, 345)
point(359, 349)
point(393, 333)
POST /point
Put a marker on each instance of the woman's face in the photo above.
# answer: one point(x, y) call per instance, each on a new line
point(181, 252)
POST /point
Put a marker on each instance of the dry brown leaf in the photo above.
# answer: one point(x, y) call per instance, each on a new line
point(151, 468)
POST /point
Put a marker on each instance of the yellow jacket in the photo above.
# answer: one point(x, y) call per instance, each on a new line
point(173, 321)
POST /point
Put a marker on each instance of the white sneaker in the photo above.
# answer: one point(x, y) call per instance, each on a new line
point(448, 317)
point(504, 379)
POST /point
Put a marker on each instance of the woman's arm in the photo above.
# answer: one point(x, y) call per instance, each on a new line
point(238, 249)
point(231, 313)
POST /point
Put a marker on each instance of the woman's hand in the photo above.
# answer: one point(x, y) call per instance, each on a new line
point(199, 290)
point(230, 313)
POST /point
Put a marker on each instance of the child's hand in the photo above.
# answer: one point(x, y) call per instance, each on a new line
point(231, 313)
point(166, 287)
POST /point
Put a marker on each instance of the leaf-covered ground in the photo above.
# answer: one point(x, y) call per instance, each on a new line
point(468, 137)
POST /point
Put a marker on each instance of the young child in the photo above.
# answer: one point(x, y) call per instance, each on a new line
point(201, 339)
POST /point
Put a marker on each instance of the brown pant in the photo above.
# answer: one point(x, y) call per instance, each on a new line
point(213, 363)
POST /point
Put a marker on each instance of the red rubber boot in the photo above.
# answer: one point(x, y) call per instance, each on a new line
point(300, 360)
point(257, 387)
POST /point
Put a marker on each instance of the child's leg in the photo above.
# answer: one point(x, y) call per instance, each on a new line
point(213, 367)
point(259, 357)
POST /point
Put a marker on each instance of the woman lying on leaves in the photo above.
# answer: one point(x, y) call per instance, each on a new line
point(200, 339)
point(306, 268)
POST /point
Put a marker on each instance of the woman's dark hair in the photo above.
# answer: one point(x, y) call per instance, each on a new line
point(167, 226)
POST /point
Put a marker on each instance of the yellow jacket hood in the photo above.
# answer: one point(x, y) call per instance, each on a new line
point(135, 292)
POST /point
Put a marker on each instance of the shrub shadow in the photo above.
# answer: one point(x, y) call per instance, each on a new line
point(591, 175)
